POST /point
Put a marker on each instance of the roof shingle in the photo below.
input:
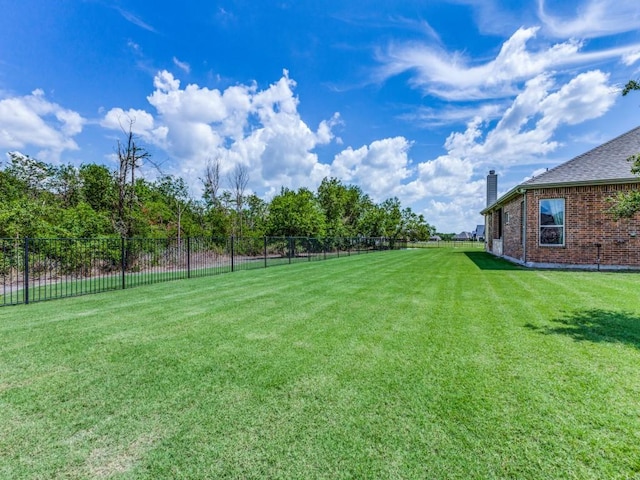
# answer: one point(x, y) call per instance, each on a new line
point(608, 162)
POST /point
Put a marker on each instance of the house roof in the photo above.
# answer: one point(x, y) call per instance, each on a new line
point(480, 230)
point(604, 164)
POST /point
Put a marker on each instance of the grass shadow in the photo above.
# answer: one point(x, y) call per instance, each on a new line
point(486, 261)
point(596, 325)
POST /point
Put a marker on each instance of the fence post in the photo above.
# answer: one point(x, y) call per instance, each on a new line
point(265, 252)
point(289, 252)
point(232, 253)
point(188, 257)
point(123, 261)
point(26, 270)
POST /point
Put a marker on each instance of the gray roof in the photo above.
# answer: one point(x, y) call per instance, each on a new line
point(601, 165)
point(480, 230)
point(606, 163)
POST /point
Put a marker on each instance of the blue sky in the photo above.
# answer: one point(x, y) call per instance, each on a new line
point(412, 99)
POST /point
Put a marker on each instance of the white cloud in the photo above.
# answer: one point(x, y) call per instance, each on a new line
point(456, 214)
point(525, 133)
point(379, 168)
point(631, 58)
point(32, 120)
point(184, 66)
point(263, 130)
point(141, 123)
point(134, 19)
point(452, 76)
point(449, 114)
point(241, 125)
point(526, 129)
point(593, 18)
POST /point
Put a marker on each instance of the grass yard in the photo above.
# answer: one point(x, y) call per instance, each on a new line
point(432, 363)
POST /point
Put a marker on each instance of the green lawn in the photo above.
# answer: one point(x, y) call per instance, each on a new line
point(431, 363)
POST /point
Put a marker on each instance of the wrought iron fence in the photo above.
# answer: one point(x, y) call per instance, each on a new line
point(38, 269)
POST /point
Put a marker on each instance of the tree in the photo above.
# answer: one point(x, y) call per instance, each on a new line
point(256, 216)
point(33, 174)
point(176, 197)
point(627, 204)
point(211, 182)
point(415, 227)
point(97, 187)
point(631, 85)
point(66, 184)
point(295, 214)
point(343, 207)
point(238, 181)
point(130, 156)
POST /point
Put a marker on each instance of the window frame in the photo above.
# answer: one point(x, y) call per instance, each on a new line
point(563, 227)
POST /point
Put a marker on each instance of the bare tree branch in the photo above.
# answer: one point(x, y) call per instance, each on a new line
point(238, 181)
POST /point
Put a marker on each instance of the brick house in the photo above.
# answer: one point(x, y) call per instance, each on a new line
point(559, 218)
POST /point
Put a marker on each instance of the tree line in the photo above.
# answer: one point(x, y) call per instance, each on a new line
point(42, 200)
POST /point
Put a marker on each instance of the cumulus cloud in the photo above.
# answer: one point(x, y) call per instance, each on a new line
point(524, 134)
point(262, 129)
point(141, 123)
point(380, 168)
point(34, 121)
point(240, 125)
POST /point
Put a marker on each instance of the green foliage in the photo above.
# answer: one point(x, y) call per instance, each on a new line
point(446, 236)
point(342, 206)
point(43, 200)
point(82, 221)
point(97, 187)
point(631, 85)
point(296, 214)
point(626, 205)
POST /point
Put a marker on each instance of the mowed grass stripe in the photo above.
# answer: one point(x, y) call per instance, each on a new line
point(437, 363)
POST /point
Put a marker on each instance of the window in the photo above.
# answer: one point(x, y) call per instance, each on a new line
point(552, 221)
point(506, 218)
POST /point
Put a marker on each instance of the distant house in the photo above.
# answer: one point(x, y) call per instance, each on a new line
point(462, 236)
point(435, 238)
point(478, 235)
point(560, 218)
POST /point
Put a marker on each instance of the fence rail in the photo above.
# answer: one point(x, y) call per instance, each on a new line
point(38, 269)
point(447, 244)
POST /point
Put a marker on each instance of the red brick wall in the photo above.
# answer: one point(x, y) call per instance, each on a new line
point(587, 223)
point(512, 231)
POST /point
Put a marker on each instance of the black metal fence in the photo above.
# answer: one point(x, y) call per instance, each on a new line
point(38, 269)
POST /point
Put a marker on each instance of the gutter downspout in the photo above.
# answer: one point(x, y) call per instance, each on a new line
point(524, 228)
